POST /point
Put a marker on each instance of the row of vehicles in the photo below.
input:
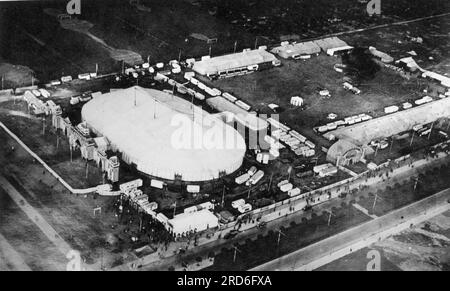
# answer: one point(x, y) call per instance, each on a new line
point(214, 92)
point(380, 143)
point(251, 177)
point(241, 206)
point(297, 143)
point(407, 105)
point(85, 97)
point(344, 122)
point(286, 187)
point(41, 93)
point(423, 130)
point(351, 88)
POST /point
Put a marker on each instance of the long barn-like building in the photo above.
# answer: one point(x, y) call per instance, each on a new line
point(243, 62)
point(164, 135)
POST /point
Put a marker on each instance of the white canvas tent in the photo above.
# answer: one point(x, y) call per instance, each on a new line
point(194, 221)
point(164, 135)
point(213, 66)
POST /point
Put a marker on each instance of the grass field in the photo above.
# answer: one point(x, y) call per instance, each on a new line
point(31, 37)
point(308, 18)
point(401, 194)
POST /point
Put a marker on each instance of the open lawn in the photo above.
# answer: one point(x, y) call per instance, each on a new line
point(305, 79)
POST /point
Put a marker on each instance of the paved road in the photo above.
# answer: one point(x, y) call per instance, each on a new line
point(337, 246)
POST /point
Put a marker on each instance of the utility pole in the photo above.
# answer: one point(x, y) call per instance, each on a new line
point(415, 184)
point(210, 49)
point(3, 80)
point(174, 208)
point(270, 181)
point(329, 217)
point(279, 237)
point(235, 46)
point(179, 56)
point(249, 191)
point(135, 95)
point(87, 169)
point(392, 142)
point(256, 42)
point(70, 147)
point(235, 252)
point(223, 196)
point(43, 125)
point(431, 130)
point(412, 138)
point(154, 109)
point(375, 201)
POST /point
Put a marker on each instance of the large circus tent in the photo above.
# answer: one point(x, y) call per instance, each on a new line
point(165, 136)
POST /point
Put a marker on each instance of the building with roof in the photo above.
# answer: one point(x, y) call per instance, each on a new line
point(443, 80)
point(165, 136)
point(295, 49)
point(384, 57)
point(190, 222)
point(344, 152)
point(388, 125)
point(237, 63)
point(408, 64)
point(330, 43)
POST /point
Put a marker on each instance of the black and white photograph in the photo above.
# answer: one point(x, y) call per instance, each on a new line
point(223, 136)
